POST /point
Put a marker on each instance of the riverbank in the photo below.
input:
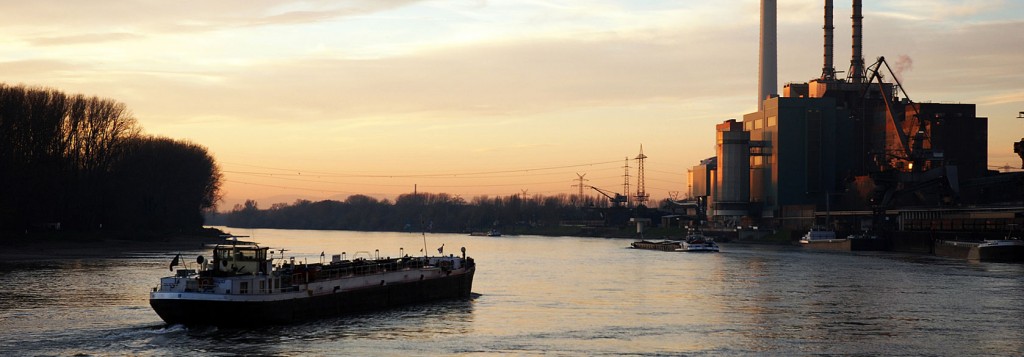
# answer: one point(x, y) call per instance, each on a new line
point(100, 245)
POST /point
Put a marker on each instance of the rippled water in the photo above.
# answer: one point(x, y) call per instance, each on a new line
point(563, 296)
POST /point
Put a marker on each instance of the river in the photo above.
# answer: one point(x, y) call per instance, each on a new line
point(553, 295)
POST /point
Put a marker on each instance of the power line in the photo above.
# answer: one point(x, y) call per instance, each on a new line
point(441, 175)
point(310, 174)
point(322, 178)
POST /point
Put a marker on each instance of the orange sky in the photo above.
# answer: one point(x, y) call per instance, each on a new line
point(323, 99)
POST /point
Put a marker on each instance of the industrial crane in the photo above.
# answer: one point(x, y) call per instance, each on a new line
point(913, 166)
point(615, 198)
point(911, 129)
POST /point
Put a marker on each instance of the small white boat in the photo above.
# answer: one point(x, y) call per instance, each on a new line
point(820, 235)
point(698, 243)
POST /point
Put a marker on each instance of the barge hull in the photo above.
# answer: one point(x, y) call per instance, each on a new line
point(835, 245)
point(1001, 254)
point(662, 246)
point(251, 313)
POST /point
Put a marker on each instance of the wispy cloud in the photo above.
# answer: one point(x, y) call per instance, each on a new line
point(83, 38)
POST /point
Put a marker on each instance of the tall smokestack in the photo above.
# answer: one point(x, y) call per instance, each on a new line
point(768, 67)
point(828, 70)
point(857, 59)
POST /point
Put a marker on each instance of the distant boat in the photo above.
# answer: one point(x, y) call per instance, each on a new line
point(995, 250)
point(698, 243)
point(820, 235)
point(1010, 249)
point(665, 245)
point(821, 238)
point(490, 233)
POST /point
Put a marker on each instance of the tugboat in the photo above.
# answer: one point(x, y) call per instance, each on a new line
point(242, 286)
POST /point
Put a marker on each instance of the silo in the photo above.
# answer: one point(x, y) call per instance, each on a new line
point(732, 193)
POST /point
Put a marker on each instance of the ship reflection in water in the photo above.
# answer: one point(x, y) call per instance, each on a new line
point(575, 296)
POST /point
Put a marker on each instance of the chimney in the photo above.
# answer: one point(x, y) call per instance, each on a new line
point(828, 70)
point(857, 59)
point(767, 65)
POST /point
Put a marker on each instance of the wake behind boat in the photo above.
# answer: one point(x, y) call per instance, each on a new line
point(242, 286)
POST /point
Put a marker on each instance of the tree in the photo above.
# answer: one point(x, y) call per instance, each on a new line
point(163, 184)
point(83, 162)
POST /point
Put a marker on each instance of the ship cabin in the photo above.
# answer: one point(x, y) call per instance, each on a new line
point(241, 258)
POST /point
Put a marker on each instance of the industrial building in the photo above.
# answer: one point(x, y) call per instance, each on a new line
point(854, 153)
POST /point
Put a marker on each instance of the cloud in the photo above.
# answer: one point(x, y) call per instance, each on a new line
point(1002, 98)
point(95, 19)
point(268, 17)
point(944, 12)
point(502, 78)
point(83, 38)
point(37, 66)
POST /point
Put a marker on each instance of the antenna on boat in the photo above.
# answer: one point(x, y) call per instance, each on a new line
point(425, 251)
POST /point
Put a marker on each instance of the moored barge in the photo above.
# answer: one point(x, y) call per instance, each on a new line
point(998, 250)
point(665, 245)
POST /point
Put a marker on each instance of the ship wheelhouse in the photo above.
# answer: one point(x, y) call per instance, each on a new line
point(240, 258)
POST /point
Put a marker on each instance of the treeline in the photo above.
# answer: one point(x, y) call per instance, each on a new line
point(419, 212)
point(72, 162)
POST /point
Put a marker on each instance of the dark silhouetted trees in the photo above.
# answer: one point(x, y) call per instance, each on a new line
point(82, 162)
point(162, 184)
point(416, 212)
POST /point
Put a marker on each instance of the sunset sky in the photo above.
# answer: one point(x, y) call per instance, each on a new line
point(324, 99)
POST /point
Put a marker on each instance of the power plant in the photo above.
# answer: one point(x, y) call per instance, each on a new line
point(854, 154)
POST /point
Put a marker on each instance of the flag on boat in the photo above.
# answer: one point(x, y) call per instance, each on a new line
point(174, 261)
point(441, 249)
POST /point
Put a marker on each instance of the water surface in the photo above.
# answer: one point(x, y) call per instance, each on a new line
point(561, 296)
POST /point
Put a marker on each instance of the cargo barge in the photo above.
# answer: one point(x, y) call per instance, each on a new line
point(242, 286)
point(665, 245)
point(1000, 250)
point(692, 243)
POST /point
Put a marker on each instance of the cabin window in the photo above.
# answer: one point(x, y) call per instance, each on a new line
point(243, 287)
point(248, 254)
point(263, 286)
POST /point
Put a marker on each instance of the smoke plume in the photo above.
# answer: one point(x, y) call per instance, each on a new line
point(903, 63)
